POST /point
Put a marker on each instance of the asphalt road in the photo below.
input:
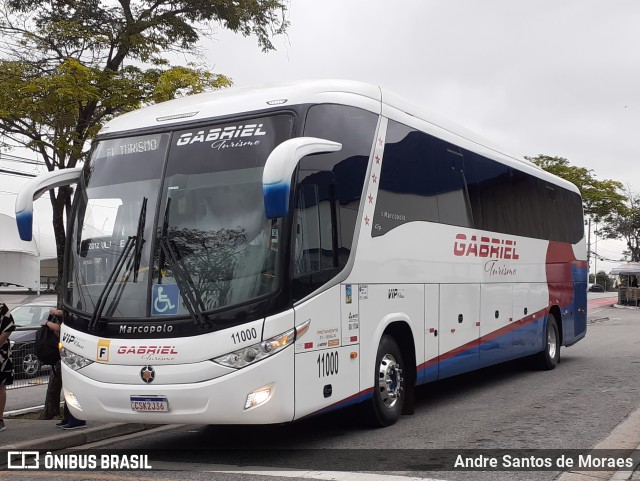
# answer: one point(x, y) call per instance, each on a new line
point(576, 406)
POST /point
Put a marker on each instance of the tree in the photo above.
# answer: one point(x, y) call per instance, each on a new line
point(603, 279)
point(67, 67)
point(601, 198)
point(626, 225)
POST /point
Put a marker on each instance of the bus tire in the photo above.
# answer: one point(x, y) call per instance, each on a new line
point(549, 357)
point(388, 397)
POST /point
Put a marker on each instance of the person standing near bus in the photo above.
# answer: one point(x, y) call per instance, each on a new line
point(7, 326)
point(69, 421)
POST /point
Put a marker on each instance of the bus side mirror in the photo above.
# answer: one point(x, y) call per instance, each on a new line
point(283, 160)
point(34, 189)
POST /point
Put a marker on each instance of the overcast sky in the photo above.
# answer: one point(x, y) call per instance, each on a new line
point(551, 77)
point(560, 78)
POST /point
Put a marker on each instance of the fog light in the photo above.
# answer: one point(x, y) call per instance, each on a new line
point(71, 400)
point(258, 397)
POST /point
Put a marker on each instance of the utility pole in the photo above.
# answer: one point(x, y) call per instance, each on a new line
point(595, 256)
point(589, 249)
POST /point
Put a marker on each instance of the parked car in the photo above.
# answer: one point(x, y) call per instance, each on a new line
point(596, 288)
point(28, 318)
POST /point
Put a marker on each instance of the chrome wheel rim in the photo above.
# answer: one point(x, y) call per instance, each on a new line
point(389, 380)
point(30, 364)
point(552, 342)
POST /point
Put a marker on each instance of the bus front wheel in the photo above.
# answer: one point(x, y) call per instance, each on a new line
point(388, 397)
point(549, 357)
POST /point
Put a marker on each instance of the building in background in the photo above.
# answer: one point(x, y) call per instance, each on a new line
point(32, 265)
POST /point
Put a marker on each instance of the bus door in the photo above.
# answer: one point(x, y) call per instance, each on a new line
point(530, 301)
point(432, 333)
point(496, 323)
point(325, 370)
point(459, 328)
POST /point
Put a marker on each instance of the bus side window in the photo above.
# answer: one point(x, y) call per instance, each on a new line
point(315, 251)
point(453, 199)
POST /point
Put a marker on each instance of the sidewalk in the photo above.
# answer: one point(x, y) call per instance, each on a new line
point(40, 434)
point(602, 301)
point(25, 434)
point(43, 434)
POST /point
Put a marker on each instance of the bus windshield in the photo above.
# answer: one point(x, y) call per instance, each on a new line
point(193, 241)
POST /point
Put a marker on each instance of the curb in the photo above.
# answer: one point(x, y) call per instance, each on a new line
point(624, 475)
point(19, 412)
point(72, 439)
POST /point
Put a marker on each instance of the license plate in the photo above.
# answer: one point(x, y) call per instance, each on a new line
point(149, 404)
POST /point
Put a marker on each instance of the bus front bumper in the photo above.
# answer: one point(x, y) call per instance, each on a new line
point(221, 400)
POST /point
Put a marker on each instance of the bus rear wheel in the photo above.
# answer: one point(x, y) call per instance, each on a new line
point(549, 357)
point(388, 397)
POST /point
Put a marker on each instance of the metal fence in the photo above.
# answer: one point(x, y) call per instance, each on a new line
point(28, 371)
point(48, 284)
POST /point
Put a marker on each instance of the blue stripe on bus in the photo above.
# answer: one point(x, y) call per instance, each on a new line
point(355, 399)
point(457, 360)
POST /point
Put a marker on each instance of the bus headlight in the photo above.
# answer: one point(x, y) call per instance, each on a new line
point(73, 360)
point(258, 397)
point(256, 352)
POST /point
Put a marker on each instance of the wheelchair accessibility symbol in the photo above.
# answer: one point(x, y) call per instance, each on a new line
point(165, 300)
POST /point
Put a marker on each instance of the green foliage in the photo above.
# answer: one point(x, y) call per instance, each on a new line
point(67, 67)
point(626, 225)
point(604, 280)
point(601, 198)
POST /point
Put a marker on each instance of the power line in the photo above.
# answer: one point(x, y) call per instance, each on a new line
point(19, 160)
point(17, 173)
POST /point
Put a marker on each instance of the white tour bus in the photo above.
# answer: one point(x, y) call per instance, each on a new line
point(262, 255)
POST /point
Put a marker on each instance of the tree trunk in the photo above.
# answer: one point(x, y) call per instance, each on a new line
point(58, 205)
point(52, 401)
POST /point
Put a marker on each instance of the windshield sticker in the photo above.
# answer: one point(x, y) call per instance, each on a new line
point(133, 147)
point(165, 300)
point(219, 136)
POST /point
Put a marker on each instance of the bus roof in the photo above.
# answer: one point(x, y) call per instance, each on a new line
point(235, 100)
point(238, 100)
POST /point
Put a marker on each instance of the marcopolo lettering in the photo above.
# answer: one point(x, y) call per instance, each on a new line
point(226, 133)
point(489, 247)
point(146, 329)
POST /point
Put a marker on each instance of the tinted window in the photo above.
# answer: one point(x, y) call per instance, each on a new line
point(453, 205)
point(328, 192)
point(422, 179)
point(512, 201)
point(488, 184)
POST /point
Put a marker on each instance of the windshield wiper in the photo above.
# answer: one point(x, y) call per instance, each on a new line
point(188, 290)
point(139, 243)
point(131, 243)
point(139, 239)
